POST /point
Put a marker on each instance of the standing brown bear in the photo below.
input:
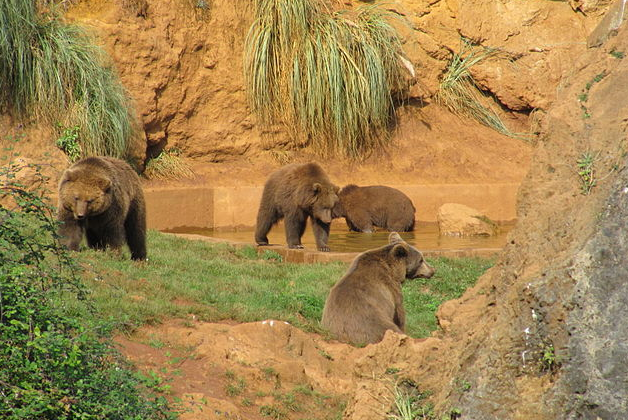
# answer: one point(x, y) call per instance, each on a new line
point(102, 198)
point(367, 301)
point(365, 208)
point(294, 193)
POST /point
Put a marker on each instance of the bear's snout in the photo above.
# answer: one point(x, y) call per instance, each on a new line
point(425, 270)
point(81, 210)
point(325, 216)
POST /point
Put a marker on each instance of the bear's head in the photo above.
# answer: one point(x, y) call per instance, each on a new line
point(325, 197)
point(416, 266)
point(85, 194)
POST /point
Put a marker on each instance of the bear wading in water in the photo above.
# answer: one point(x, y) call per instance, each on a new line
point(294, 193)
point(365, 208)
point(367, 300)
point(101, 198)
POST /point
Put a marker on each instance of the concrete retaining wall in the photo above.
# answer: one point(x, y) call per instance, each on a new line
point(230, 207)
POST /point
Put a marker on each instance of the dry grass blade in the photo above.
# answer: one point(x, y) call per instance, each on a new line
point(168, 165)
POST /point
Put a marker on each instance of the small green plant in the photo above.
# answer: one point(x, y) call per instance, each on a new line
point(617, 54)
point(235, 386)
point(269, 373)
point(272, 411)
point(549, 361)
point(585, 165)
point(271, 256)
point(68, 142)
point(409, 403)
point(392, 371)
point(462, 385)
point(168, 165)
point(584, 96)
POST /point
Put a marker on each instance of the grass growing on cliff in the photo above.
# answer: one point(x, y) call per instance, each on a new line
point(330, 77)
point(461, 95)
point(168, 165)
point(217, 282)
point(52, 70)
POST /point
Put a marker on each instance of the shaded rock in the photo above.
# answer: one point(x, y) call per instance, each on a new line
point(460, 220)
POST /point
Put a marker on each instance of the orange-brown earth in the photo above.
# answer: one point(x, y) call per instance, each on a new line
point(551, 288)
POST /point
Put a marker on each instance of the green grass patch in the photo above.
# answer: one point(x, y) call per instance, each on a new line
point(330, 77)
point(217, 282)
point(54, 70)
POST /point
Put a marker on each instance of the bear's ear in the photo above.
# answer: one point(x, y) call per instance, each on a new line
point(394, 238)
point(317, 188)
point(104, 184)
point(70, 175)
point(400, 251)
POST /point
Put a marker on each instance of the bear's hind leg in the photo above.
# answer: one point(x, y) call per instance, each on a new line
point(135, 232)
point(266, 218)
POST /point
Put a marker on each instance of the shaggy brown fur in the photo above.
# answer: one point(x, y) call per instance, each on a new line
point(365, 208)
point(367, 301)
point(101, 198)
point(294, 193)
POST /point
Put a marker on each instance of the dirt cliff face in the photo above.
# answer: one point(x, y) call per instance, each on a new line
point(542, 340)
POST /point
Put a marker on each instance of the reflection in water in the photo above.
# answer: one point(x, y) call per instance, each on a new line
point(425, 237)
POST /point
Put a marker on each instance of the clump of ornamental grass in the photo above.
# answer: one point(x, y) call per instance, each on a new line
point(459, 92)
point(331, 77)
point(53, 70)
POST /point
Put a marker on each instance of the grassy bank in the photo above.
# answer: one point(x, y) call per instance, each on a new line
point(217, 282)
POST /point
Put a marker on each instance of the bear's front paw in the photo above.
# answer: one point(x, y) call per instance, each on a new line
point(298, 246)
point(324, 248)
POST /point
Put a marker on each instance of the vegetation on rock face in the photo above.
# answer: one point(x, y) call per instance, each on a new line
point(460, 94)
point(330, 77)
point(53, 70)
point(53, 365)
point(167, 165)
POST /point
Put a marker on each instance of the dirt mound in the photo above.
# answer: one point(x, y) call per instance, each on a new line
point(246, 370)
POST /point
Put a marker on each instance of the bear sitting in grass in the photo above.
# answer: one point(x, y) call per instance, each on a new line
point(101, 198)
point(367, 301)
point(365, 208)
point(294, 193)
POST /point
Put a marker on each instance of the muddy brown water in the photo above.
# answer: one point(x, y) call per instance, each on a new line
point(425, 237)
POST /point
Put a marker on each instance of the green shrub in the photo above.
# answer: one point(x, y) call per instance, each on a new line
point(53, 70)
point(330, 77)
point(53, 366)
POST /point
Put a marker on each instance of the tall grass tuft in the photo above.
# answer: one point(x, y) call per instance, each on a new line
point(53, 70)
point(460, 94)
point(330, 77)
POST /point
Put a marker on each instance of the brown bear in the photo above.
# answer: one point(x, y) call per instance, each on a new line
point(365, 208)
point(294, 193)
point(102, 198)
point(367, 301)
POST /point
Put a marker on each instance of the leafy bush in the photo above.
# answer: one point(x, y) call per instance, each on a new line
point(53, 366)
point(330, 77)
point(53, 70)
